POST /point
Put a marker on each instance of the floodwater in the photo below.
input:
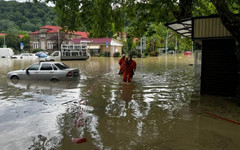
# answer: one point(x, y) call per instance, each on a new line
point(161, 109)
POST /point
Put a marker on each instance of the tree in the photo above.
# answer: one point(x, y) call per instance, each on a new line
point(6, 24)
point(229, 19)
point(28, 26)
point(17, 15)
point(25, 40)
point(13, 41)
point(102, 24)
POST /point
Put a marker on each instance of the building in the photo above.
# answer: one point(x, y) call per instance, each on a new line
point(102, 45)
point(49, 38)
point(219, 70)
point(5, 34)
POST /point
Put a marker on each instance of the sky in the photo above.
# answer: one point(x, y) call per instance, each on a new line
point(49, 4)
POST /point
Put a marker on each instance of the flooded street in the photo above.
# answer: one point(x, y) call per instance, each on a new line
point(161, 109)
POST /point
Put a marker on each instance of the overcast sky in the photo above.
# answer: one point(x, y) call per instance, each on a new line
point(49, 4)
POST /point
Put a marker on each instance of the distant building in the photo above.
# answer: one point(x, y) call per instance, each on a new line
point(5, 34)
point(49, 38)
point(121, 36)
point(102, 45)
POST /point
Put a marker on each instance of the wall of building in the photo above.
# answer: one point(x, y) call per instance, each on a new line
point(219, 74)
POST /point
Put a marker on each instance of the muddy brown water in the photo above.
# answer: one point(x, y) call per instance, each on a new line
point(161, 109)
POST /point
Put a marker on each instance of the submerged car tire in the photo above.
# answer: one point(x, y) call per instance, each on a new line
point(54, 80)
point(14, 77)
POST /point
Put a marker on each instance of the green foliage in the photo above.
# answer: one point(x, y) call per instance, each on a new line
point(1, 41)
point(107, 54)
point(102, 25)
point(68, 13)
point(13, 41)
point(15, 16)
point(25, 40)
point(37, 50)
point(154, 53)
point(116, 54)
point(129, 44)
point(134, 53)
point(100, 55)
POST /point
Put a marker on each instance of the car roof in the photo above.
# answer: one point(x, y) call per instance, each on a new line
point(49, 62)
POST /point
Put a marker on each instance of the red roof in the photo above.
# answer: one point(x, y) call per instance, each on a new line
point(55, 29)
point(83, 34)
point(135, 40)
point(3, 34)
point(94, 40)
point(20, 35)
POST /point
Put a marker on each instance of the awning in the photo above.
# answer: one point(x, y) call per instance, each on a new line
point(183, 27)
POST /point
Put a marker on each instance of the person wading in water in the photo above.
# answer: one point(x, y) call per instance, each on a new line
point(120, 62)
point(133, 66)
point(127, 69)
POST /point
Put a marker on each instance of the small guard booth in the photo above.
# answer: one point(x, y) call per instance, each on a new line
point(219, 70)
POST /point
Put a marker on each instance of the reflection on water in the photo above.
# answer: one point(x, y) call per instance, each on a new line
point(160, 109)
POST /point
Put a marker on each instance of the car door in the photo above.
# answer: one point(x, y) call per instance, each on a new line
point(46, 71)
point(31, 72)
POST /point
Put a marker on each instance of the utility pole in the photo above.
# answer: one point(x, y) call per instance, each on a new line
point(58, 41)
point(141, 46)
point(4, 41)
point(166, 47)
point(176, 45)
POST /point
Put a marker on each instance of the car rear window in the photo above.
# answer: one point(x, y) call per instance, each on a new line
point(61, 66)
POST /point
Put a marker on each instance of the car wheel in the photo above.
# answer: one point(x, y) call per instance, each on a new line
point(14, 79)
point(54, 80)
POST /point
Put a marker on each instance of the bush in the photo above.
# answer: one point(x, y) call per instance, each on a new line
point(37, 50)
point(100, 55)
point(154, 53)
point(116, 54)
point(135, 53)
point(107, 54)
point(146, 53)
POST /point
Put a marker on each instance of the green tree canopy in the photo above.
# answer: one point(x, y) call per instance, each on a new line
point(15, 16)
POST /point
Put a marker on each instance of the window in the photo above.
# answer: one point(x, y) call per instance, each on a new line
point(35, 36)
point(54, 67)
point(61, 66)
point(35, 45)
point(56, 54)
point(50, 45)
point(74, 53)
point(46, 67)
point(34, 67)
point(42, 35)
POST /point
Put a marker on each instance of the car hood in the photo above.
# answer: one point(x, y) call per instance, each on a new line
point(16, 71)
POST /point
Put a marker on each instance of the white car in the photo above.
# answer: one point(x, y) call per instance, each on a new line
point(51, 71)
point(56, 55)
point(24, 56)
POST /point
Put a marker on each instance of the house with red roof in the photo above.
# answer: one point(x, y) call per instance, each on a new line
point(49, 38)
point(5, 34)
point(101, 45)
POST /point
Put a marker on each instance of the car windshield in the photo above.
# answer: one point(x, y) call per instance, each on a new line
point(61, 66)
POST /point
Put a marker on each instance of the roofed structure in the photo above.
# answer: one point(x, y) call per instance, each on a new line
point(219, 65)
